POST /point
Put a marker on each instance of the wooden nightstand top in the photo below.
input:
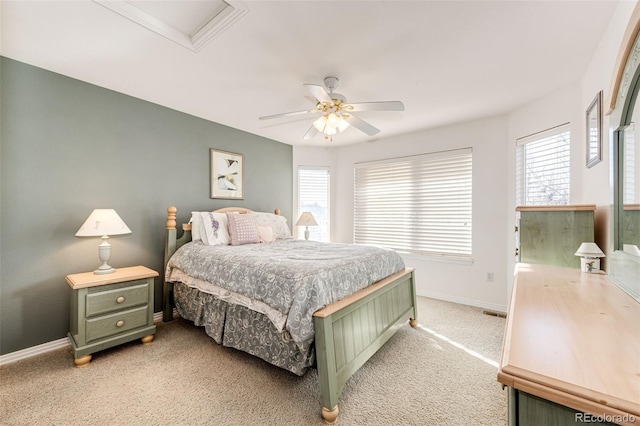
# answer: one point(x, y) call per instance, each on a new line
point(89, 279)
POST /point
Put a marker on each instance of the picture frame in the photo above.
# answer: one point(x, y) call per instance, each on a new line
point(227, 175)
point(594, 131)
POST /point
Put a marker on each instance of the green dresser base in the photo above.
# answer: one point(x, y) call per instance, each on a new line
point(529, 410)
point(80, 351)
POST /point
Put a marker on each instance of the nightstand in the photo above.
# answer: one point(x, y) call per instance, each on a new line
point(108, 310)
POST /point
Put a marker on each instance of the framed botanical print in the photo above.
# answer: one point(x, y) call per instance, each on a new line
point(594, 131)
point(227, 175)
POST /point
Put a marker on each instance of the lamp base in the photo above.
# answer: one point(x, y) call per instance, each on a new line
point(590, 264)
point(102, 271)
point(104, 253)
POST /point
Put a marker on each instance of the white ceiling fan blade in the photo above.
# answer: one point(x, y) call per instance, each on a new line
point(362, 125)
point(288, 114)
point(310, 133)
point(311, 99)
point(375, 106)
point(318, 92)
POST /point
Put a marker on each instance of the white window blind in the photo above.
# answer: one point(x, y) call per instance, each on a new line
point(313, 196)
point(543, 168)
point(419, 204)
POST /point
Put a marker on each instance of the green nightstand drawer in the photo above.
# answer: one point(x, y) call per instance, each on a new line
point(117, 297)
point(116, 323)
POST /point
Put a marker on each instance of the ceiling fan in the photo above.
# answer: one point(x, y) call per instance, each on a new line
point(336, 114)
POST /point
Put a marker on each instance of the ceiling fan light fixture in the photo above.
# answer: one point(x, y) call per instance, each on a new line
point(343, 124)
point(332, 120)
point(320, 123)
point(330, 131)
point(336, 114)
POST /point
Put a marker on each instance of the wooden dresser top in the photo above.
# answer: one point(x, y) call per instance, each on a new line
point(89, 279)
point(564, 208)
point(573, 338)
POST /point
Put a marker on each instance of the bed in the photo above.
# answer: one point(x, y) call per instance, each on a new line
point(293, 303)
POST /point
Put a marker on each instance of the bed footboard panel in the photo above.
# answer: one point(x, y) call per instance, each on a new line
point(349, 332)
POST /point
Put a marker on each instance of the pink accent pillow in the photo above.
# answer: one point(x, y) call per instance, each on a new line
point(242, 229)
point(266, 234)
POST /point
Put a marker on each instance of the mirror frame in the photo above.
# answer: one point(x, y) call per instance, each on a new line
point(594, 131)
point(623, 268)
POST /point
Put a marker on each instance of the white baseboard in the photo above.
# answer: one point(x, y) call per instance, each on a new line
point(33, 351)
point(463, 301)
point(51, 346)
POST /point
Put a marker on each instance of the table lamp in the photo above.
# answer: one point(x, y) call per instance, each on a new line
point(306, 219)
point(590, 255)
point(102, 223)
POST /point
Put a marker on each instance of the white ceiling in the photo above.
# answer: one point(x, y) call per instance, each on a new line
point(448, 61)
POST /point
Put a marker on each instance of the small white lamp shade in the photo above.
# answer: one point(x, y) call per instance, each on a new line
point(306, 219)
point(590, 255)
point(102, 223)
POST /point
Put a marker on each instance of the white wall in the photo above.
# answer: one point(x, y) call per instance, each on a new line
point(597, 181)
point(569, 104)
point(493, 141)
point(436, 278)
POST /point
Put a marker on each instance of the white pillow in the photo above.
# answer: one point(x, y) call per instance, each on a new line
point(214, 229)
point(196, 223)
point(266, 234)
point(276, 222)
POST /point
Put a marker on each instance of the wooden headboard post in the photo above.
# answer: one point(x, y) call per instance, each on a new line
point(171, 244)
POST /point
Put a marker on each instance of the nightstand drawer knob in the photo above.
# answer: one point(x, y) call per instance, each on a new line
point(120, 299)
point(120, 323)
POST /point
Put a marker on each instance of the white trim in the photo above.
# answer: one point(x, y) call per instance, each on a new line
point(52, 346)
point(463, 301)
point(458, 260)
point(216, 26)
point(33, 351)
point(560, 128)
point(414, 158)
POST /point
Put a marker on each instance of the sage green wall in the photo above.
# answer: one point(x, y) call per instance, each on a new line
point(68, 147)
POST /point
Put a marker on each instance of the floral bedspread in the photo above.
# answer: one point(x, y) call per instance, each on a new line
point(287, 280)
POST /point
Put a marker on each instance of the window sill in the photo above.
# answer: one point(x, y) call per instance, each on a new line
point(437, 258)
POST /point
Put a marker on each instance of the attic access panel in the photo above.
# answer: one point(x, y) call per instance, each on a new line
point(191, 24)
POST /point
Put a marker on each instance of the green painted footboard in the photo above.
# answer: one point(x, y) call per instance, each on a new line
point(350, 331)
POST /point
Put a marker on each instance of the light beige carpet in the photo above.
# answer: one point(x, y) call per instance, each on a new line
point(443, 373)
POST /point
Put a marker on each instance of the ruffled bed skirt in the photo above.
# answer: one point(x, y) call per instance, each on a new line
point(239, 327)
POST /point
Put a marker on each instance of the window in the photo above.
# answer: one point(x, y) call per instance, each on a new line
point(419, 204)
point(543, 168)
point(313, 196)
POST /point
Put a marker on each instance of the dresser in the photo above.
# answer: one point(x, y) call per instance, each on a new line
point(552, 234)
point(571, 351)
point(111, 309)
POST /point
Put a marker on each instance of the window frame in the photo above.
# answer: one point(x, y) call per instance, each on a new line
point(327, 223)
point(522, 197)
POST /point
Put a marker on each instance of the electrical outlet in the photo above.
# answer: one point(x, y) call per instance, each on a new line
point(489, 276)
